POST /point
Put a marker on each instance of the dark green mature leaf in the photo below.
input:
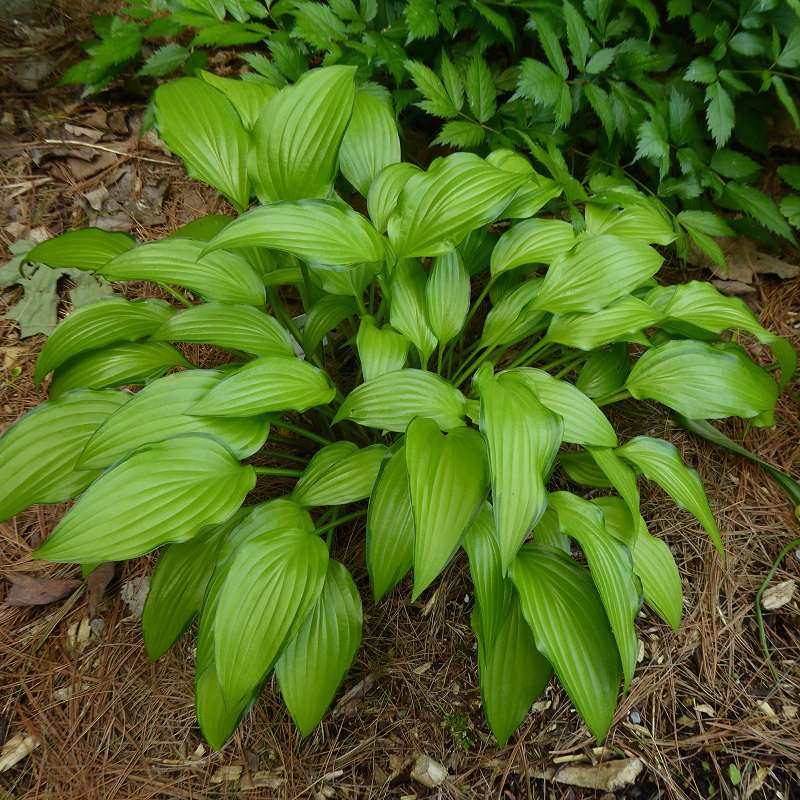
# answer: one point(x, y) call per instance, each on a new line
point(314, 230)
point(537, 82)
point(390, 401)
point(461, 133)
point(88, 248)
point(604, 371)
point(122, 365)
point(199, 124)
point(314, 662)
point(448, 481)
point(577, 35)
point(247, 97)
point(220, 276)
point(158, 412)
point(447, 295)
point(562, 608)
point(380, 350)
point(38, 453)
point(533, 241)
point(103, 323)
point(421, 19)
point(299, 133)
point(269, 383)
point(720, 113)
point(760, 207)
point(189, 482)
point(436, 99)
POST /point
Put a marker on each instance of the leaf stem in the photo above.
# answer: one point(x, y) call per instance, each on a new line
point(176, 294)
point(315, 437)
point(341, 520)
point(535, 349)
point(278, 471)
point(622, 394)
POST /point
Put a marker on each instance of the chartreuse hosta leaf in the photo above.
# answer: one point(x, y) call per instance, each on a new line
point(390, 526)
point(247, 97)
point(548, 531)
point(523, 438)
point(611, 566)
point(122, 365)
point(447, 293)
point(604, 371)
point(437, 209)
point(704, 381)
point(535, 193)
point(313, 230)
point(371, 141)
point(232, 327)
point(448, 480)
point(164, 492)
point(323, 317)
point(620, 475)
point(384, 192)
point(583, 469)
point(514, 317)
point(338, 474)
point(534, 241)
point(298, 135)
point(390, 401)
point(199, 124)
point(39, 451)
point(314, 662)
point(597, 271)
point(88, 248)
point(349, 280)
point(159, 412)
point(561, 605)
point(380, 350)
point(273, 582)
point(269, 383)
point(642, 222)
point(408, 307)
point(103, 323)
point(220, 276)
point(661, 463)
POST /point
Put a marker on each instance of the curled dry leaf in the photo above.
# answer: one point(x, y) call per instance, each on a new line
point(779, 595)
point(428, 772)
point(607, 777)
point(29, 590)
point(17, 748)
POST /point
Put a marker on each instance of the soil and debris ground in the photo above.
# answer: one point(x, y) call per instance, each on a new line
point(84, 714)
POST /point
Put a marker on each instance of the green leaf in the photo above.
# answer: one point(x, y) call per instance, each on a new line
point(619, 474)
point(438, 208)
point(550, 44)
point(601, 60)
point(537, 82)
point(514, 317)
point(157, 412)
point(122, 365)
point(314, 663)
point(247, 97)
point(661, 582)
point(703, 381)
point(39, 452)
point(269, 383)
point(760, 207)
point(681, 115)
point(533, 241)
point(643, 222)
point(577, 35)
point(498, 20)
point(272, 584)
point(604, 371)
point(562, 608)
point(338, 474)
point(189, 482)
point(222, 277)
point(701, 70)
point(421, 19)
point(789, 57)
point(598, 270)
point(453, 83)
point(107, 322)
point(705, 222)
point(390, 526)
point(385, 190)
point(447, 296)
point(298, 134)
point(390, 401)
point(720, 113)
point(523, 438)
point(88, 248)
point(229, 34)
point(448, 482)
point(164, 60)
point(232, 327)
point(380, 350)
point(318, 25)
point(437, 101)
point(731, 164)
point(460, 133)
point(201, 127)
point(601, 103)
point(652, 144)
point(481, 92)
point(371, 141)
point(324, 316)
point(407, 310)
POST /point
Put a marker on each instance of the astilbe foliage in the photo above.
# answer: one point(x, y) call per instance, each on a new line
point(488, 334)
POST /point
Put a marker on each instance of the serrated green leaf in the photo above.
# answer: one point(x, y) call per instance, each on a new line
point(481, 92)
point(601, 103)
point(421, 19)
point(760, 207)
point(447, 296)
point(701, 70)
point(436, 99)
point(720, 113)
point(705, 222)
point(533, 241)
point(453, 82)
point(577, 35)
point(460, 133)
point(164, 60)
point(601, 60)
point(537, 82)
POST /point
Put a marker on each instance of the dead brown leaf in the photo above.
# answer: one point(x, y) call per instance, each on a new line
point(96, 585)
point(30, 590)
point(607, 777)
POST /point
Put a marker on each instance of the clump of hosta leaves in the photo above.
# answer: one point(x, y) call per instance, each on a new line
point(457, 347)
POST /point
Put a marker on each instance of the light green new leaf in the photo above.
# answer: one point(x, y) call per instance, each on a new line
point(314, 663)
point(247, 97)
point(438, 208)
point(390, 401)
point(371, 141)
point(100, 324)
point(661, 462)
point(597, 271)
point(447, 295)
point(534, 241)
point(269, 383)
point(380, 350)
point(203, 129)
point(407, 310)
point(313, 230)
point(88, 248)
point(384, 192)
point(565, 613)
point(523, 438)
point(448, 482)
point(273, 582)
point(189, 482)
point(338, 474)
point(703, 381)
point(584, 422)
point(158, 412)
point(324, 316)
point(39, 451)
point(298, 135)
point(232, 327)
point(122, 365)
point(390, 526)
point(223, 277)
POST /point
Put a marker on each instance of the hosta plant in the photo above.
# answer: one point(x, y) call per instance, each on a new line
point(444, 347)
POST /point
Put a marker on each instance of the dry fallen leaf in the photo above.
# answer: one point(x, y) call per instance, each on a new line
point(17, 748)
point(78, 635)
point(704, 708)
point(428, 772)
point(766, 709)
point(134, 593)
point(351, 699)
point(227, 774)
point(778, 595)
point(28, 590)
point(607, 777)
point(97, 583)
